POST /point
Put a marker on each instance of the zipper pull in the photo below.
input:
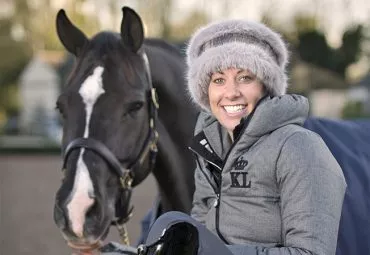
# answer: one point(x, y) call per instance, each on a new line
point(216, 202)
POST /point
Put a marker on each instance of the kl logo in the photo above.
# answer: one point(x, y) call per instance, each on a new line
point(238, 178)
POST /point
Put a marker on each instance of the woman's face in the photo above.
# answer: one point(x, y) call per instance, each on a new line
point(233, 94)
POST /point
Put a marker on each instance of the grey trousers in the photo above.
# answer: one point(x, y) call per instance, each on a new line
point(209, 243)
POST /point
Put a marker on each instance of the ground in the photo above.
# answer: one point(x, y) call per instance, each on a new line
point(27, 189)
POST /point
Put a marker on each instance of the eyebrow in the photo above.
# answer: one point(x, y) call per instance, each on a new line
point(240, 71)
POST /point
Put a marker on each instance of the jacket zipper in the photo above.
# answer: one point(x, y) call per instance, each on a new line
point(218, 215)
point(217, 191)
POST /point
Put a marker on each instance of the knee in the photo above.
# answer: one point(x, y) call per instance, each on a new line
point(169, 218)
point(165, 221)
point(174, 215)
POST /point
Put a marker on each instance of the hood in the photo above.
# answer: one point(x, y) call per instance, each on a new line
point(275, 112)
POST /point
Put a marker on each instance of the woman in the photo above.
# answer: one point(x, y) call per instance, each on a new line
point(264, 184)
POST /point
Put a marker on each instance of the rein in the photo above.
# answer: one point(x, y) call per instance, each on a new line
point(125, 175)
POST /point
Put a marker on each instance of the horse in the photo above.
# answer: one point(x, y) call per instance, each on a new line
point(125, 114)
point(349, 142)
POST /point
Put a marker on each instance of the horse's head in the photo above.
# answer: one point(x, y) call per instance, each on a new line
point(108, 115)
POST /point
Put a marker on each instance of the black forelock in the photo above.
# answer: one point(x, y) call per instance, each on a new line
point(108, 45)
point(104, 42)
point(105, 49)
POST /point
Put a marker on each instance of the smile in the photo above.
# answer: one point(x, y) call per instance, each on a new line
point(234, 108)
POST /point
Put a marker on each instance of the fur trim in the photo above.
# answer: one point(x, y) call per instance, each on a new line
point(258, 49)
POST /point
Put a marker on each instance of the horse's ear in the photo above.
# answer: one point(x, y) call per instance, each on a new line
point(132, 32)
point(72, 38)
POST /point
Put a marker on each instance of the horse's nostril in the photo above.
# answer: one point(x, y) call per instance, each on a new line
point(59, 217)
point(95, 213)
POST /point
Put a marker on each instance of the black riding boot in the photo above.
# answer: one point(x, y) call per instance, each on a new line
point(179, 239)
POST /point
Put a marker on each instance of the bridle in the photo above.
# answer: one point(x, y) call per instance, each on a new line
point(125, 175)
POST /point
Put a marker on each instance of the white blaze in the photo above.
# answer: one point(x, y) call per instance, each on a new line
point(81, 195)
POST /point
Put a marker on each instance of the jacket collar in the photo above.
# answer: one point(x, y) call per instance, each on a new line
point(213, 142)
point(208, 144)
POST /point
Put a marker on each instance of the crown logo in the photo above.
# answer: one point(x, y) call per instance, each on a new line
point(240, 164)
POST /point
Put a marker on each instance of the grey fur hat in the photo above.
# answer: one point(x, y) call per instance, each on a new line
point(239, 44)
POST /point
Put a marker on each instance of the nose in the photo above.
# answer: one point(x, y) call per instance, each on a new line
point(232, 90)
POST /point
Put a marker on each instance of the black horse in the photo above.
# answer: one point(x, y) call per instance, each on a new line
point(111, 123)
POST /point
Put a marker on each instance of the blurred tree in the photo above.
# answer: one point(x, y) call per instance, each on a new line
point(350, 50)
point(115, 13)
point(366, 44)
point(156, 14)
point(183, 30)
point(28, 28)
point(313, 48)
point(14, 56)
point(158, 18)
point(304, 23)
point(165, 17)
point(36, 20)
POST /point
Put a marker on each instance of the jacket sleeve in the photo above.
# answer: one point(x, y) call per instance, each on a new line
point(312, 188)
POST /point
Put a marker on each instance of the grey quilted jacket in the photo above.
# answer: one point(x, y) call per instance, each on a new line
point(276, 189)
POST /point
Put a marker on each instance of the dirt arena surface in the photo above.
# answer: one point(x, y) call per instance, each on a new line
point(27, 189)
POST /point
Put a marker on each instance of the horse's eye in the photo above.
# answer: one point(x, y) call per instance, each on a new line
point(133, 107)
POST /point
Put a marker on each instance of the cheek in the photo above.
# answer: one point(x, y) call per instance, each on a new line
point(214, 94)
point(253, 96)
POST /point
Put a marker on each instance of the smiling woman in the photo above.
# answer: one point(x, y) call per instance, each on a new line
point(264, 184)
point(274, 186)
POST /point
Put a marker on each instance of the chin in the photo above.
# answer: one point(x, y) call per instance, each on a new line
point(230, 125)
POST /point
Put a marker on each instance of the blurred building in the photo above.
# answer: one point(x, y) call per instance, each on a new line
point(327, 91)
point(328, 103)
point(360, 92)
point(39, 87)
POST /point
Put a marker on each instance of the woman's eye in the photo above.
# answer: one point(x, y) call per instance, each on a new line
point(246, 78)
point(218, 80)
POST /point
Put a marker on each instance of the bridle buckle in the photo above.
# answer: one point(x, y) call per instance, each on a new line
point(126, 180)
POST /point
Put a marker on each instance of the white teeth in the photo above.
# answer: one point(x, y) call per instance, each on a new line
point(234, 108)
